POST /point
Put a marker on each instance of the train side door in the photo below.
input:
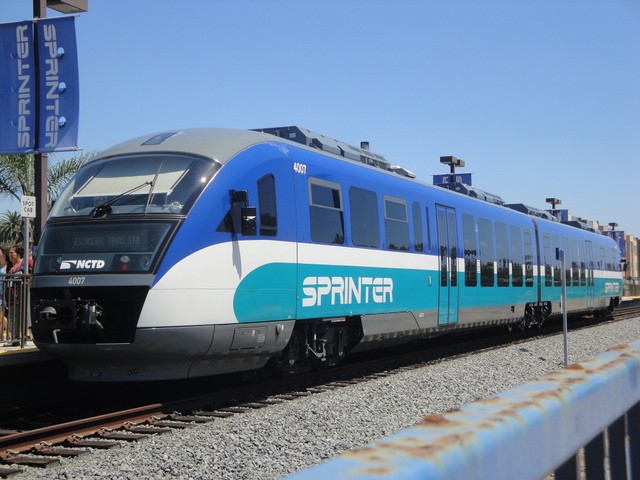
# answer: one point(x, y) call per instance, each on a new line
point(448, 254)
point(589, 274)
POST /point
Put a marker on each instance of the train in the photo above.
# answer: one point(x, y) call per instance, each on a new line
point(200, 252)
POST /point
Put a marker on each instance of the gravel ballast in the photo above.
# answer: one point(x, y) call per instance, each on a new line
point(284, 438)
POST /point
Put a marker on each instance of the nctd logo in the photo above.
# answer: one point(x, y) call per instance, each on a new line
point(82, 264)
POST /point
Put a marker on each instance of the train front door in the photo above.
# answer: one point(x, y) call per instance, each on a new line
point(448, 254)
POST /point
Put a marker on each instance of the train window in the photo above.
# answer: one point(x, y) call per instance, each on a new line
point(325, 211)
point(548, 275)
point(470, 251)
point(567, 262)
point(615, 266)
point(396, 224)
point(417, 228)
point(502, 254)
point(582, 265)
point(485, 234)
point(590, 262)
point(557, 271)
point(428, 239)
point(365, 226)
point(267, 206)
point(528, 258)
point(575, 262)
point(601, 258)
point(517, 274)
point(135, 184)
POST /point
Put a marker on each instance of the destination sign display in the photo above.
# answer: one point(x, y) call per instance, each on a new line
point(130, 241)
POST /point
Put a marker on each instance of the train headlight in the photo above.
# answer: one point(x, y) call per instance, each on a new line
point(124, 262)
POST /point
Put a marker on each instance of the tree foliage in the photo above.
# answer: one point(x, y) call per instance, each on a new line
point(10, 227)
point(17, 178)
point(17, 175)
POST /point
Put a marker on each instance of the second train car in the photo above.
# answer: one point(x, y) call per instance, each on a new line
point(207, 251)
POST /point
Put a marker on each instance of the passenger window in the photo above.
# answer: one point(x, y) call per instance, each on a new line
point(528, 258)
point(325, 212)
point(582, 265)
point(546, 240)
point(470, 251)
point(567, 262)
point(517, 272)
point(267, 206)
point(428, 239)
point(396, 224)
point(502, 254)
point(557, 270)
point(485, 234)
point(365, 227)
point(417, 228)
point(575, 268)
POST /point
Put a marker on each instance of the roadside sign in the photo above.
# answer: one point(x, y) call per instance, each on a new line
point(28, 205)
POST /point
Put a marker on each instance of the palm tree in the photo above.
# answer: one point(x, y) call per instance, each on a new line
point(10, 228)
point(17, 177)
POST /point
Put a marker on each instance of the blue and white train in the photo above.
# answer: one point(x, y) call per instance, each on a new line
point(208, 251)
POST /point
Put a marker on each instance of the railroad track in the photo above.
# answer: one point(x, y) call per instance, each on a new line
point(43, 447)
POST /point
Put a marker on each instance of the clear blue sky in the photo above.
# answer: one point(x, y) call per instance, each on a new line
point(541, 98)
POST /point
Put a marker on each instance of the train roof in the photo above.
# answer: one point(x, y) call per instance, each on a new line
point(220, 144)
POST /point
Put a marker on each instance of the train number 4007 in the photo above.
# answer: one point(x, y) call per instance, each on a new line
point(76, 280)
point(299, 168)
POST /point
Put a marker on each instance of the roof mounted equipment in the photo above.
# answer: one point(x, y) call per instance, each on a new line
point(330, 145)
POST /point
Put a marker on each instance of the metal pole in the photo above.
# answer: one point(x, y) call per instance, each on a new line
point(24, 289)
point(564, 307)
point(40, 160)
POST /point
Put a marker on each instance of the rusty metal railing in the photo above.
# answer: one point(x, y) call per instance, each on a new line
point(14, 314)
point(580, 422)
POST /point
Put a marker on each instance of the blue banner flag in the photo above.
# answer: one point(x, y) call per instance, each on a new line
point(59, 85)
point(17, 88)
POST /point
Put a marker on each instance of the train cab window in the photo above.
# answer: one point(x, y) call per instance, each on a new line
point(325, 211)
point(502, 254)
point(517, 273)
point(470, 251)
point(548, 275)
point(365, 226)
point(557, 271)
point(487, 258)
point(267, 206)
point(396, 224)
point(417, 228)
point(601, 258)
point(528, 258)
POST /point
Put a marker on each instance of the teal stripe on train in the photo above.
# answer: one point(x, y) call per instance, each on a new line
point(271, 293)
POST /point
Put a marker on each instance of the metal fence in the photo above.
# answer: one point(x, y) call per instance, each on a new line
point(14, 324)
point(582, 422)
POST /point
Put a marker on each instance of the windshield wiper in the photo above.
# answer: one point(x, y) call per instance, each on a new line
point(104, 208)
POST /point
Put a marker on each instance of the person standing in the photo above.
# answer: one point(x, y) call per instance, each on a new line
point(4, 323)
point(16, 257)
point(20, 267)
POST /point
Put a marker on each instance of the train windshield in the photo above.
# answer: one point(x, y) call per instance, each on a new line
point(135, 184)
